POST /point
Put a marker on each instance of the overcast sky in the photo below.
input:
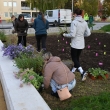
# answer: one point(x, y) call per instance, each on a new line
point(101, 0)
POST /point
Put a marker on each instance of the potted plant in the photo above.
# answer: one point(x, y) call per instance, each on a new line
point(103, 74)
point(97, 73)
point(93, 73)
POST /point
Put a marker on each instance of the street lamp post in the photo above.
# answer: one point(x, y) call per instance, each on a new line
point(42, 5)
point(12, 7)
point(72, 6)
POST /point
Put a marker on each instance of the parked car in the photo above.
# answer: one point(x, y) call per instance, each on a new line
point(58, 16)
point(27, 17)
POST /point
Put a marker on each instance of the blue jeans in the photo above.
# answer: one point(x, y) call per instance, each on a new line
point(55, 86)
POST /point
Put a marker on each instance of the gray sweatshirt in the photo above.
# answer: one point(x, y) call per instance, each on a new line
point(78, 30)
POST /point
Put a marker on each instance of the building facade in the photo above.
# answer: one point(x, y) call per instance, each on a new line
point(13, 7)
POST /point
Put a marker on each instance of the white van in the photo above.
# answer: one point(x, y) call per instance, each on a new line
point(58, 16)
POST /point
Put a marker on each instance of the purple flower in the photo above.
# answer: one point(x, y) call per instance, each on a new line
point(14, 51)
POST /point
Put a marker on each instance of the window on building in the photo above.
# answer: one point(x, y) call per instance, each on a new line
point(10, 14)
point(9, 3)
point(15, 13)
point(14, 4)
point(5, 3)
point(6, 14)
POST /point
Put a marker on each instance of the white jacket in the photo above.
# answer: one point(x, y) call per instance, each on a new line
point(79, 28)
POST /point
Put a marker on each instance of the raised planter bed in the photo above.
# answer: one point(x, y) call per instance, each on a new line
point(17, 98)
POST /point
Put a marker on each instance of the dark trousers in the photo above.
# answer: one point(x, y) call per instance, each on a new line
point(75, 53)
point(41, 38)
point(22, 40)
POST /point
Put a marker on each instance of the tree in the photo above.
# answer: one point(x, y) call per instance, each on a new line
point(90, 6)
point(106, 8)
point(43, 5)
point(76, 4)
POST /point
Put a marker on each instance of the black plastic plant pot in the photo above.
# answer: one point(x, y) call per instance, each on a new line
point(40, 89)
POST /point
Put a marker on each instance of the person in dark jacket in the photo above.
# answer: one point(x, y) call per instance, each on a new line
point(91, 19)
point(14, 19)
point(41, 25)
point(21, 27)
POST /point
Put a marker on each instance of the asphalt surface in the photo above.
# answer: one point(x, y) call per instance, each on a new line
point(8, 27)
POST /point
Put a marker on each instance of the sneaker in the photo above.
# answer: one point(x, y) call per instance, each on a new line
point(38, 51)
point(73, 69)
point(83, 76)
point(54, 94)
point(43, 51)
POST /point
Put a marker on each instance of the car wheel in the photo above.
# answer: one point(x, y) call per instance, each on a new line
point(55, 23)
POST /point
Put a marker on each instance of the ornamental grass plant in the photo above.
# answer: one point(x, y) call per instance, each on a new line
point(11, 40)
point(35, 62)
point(3, 36)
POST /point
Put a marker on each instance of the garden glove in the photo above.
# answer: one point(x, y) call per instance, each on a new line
point(13, 31)
point(42, 86)
point(64, 34)
point(25, 31)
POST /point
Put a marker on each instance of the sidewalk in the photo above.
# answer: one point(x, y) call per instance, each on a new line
point(97, 26)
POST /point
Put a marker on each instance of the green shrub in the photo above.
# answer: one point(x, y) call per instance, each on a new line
point(2, 36)
point(28, 76)
point(25, 62)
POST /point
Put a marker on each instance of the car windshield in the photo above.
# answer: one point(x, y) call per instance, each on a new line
point(25, 15)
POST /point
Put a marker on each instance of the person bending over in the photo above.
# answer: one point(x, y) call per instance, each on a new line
point(56, 74)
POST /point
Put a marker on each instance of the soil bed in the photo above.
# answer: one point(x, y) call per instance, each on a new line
point(98, 43)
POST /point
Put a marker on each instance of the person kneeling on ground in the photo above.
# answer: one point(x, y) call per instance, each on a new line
point(56, 74)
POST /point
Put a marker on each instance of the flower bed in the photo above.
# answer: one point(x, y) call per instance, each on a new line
point(18, 98)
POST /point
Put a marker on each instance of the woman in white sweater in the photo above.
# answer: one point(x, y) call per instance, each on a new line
point(79, 29)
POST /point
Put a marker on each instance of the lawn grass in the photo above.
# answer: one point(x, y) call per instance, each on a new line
point(106, 28)
point(98, 102)
point(98, 31)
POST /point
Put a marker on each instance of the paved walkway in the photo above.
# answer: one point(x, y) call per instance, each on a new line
point(57, 30)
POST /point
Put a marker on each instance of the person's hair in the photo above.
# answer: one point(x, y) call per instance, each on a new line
point(20, 16)
point(47, 56)
point(78, 11)
point(44, 20)
point(12, 16)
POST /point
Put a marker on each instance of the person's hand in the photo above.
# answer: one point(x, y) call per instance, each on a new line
point(16, 34)
point(64, 34)
point(13, 31)
point(42, 86)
